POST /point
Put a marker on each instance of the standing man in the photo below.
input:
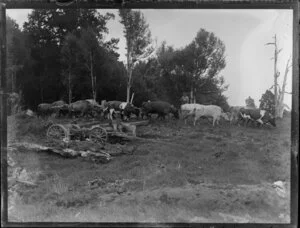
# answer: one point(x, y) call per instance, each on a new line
point(184, 99)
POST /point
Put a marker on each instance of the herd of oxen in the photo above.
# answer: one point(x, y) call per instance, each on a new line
point(123, 110)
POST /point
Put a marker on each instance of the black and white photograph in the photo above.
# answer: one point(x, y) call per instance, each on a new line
point(149, 115)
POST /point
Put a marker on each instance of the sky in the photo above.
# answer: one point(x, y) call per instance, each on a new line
point(249, 68)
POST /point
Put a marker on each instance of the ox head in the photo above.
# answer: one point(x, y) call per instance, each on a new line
point(226, 116)
point(175, 112)
point(129, 109)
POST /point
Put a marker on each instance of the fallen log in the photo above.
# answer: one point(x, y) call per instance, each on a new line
point(100, 155)
point(139, 123)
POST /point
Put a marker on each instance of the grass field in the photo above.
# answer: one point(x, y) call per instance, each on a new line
point(184, 174)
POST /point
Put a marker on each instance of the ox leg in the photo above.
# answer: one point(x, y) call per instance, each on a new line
point(246, 122)
point(213, 122)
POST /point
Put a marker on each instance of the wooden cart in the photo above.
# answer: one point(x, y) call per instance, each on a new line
point(98, 133)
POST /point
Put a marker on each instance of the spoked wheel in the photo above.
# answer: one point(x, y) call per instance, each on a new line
point(98, 135)
point(58, 131)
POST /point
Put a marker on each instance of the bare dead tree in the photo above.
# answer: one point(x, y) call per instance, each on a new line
point(280, 105)
point(276, 73)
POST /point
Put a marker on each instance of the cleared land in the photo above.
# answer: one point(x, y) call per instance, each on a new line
point(182, 174)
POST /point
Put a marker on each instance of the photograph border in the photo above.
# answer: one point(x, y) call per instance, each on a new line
point(160, 4)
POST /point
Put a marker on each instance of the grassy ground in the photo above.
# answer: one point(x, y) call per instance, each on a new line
point(184, 174)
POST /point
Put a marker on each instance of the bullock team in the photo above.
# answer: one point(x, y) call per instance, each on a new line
point(258, 117)
point(123, 110)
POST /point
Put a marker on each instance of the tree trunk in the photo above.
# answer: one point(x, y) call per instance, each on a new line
point(191, 96)
point(128, 85)
point(280, 105)
point(128, 93)
point(41, 90)
point(70, 89)
point(92, 77)
point(131, 98)
point(13, 81)
point(275, 77)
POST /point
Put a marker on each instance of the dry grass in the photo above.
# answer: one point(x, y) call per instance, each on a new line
point(183, 177)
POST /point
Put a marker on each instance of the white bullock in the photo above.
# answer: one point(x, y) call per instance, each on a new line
point(213, 111)
point(123, 105)
point(186, 109)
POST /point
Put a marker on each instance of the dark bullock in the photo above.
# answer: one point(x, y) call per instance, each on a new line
point(60, 108)
point(161, 108)
point(58, 103)
point(44, 109)
point(81, 107)
point(130, 109)
point(259, 116)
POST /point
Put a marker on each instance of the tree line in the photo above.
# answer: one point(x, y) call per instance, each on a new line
point(62, 54)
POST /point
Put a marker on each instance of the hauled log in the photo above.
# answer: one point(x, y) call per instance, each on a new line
point(104, 125)
point(99, 156)
point(138, 123)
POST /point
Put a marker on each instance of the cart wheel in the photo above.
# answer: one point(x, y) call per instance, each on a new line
point(98, 134)
point(58, 131)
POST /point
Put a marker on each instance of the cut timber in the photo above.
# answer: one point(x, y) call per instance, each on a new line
point(139, 123)
point(95, 123)
point(99, 156)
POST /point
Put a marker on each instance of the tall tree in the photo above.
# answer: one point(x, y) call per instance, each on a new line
point(267, 102)
point(138, 41)
point(279, 92)
point(205, 58)
point(89, 46)
point(282, 91)
point(70, 52)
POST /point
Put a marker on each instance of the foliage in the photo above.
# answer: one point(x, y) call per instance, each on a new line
point(138, 39)
point(267, 102)
point(16, 53)
point(45, 69)
point(250, 103)
point(175, 72)
point(64, 56)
